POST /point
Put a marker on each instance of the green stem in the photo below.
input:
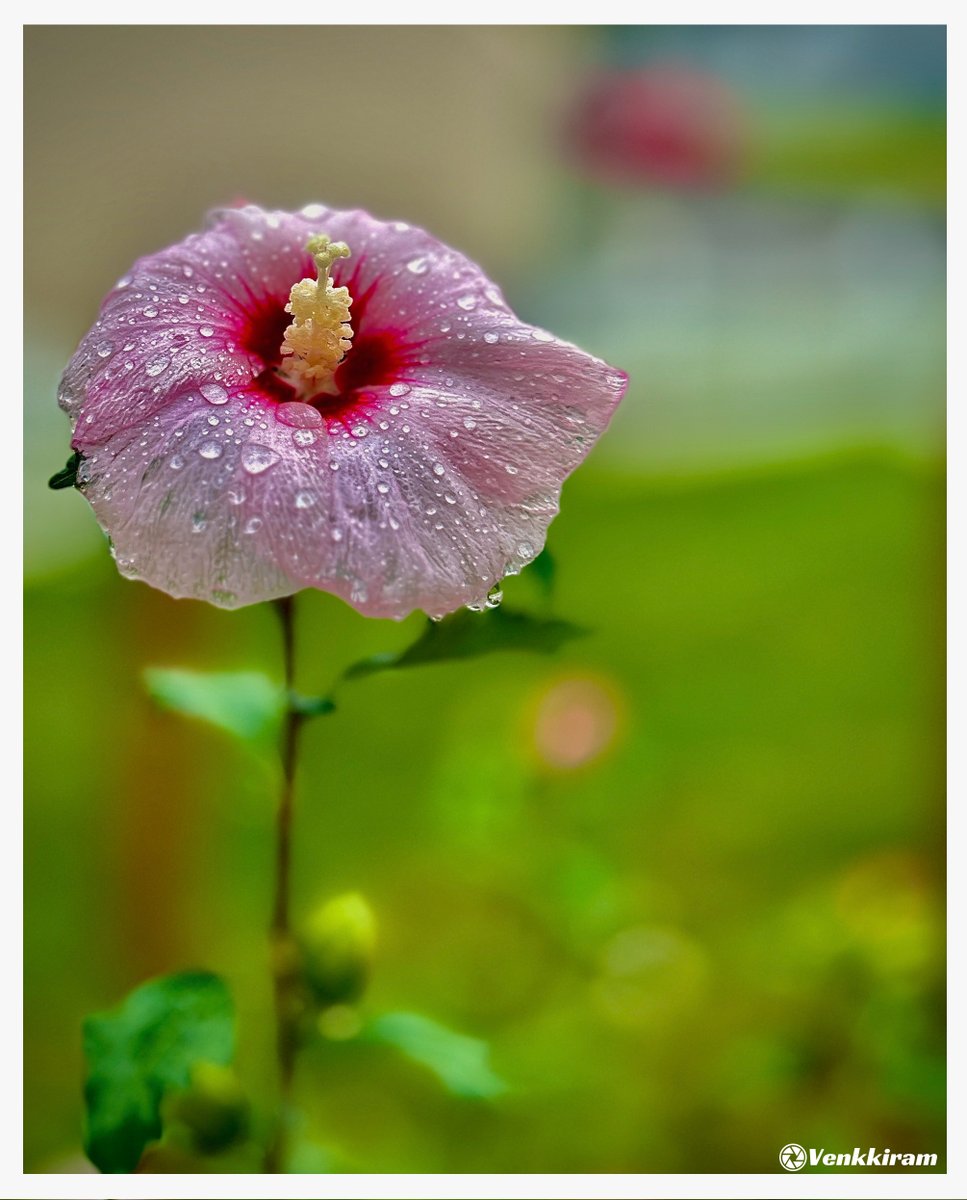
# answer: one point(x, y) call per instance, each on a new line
point(283, 949)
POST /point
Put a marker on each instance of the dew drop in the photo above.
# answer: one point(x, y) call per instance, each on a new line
point(491, 338)
point(439, 469)
point(469, 423)
point(176, 462)
point(494, 596)
point(382, 488)
point(151, 311)
point(303, 437)
point(253, 524)
point(305, 499)
point(105, 350)
point(256, 458)
point(510, 470)
point(214, 393)
point(206, 331)
point(156, 366)
point(210, 450)
point(336, 535)
point(298, 415)
point(398, 389)
point(418, 266)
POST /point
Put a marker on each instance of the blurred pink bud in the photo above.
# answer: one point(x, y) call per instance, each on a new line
point(666, 125)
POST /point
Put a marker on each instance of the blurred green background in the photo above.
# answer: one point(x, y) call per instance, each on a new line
point(684, 878)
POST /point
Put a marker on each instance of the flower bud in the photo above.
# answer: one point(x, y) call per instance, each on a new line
point(213, 1109)
point(337, 945)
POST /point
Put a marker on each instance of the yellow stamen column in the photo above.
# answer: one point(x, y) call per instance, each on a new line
point(318, 338)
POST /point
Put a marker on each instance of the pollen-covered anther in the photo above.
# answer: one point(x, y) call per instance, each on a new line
point(319, 336)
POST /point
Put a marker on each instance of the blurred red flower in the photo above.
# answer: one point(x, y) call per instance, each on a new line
point(667, 125)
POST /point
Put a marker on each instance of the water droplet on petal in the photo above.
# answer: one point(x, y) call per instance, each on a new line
point(305, 499)
point(491, 337)
point(151, 311)
point(206, 331)
point(303, 437)
point(253, 524)
point(156, 366)
point(214, 393)
point(439, 469)
point(299, 415)
point(510, 470)
point(382, 488)
point(210, 450)
point(494, 596)
point(418, 266)
point(105, 350)
point(469, 423)
point(398, 389)
point(256, 458)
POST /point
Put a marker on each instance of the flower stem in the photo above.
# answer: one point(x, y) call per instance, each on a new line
point(283, 949)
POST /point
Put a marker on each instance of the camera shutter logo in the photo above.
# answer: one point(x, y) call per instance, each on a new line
point(792, 1157)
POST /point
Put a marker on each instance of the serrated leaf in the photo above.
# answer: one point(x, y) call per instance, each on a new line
point(461, 1063)
point(471, 635)
point(246, 704)
point(142, 1049)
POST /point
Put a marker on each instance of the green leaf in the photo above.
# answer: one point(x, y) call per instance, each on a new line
point(311, 706)
point(544, 569)
point(471, 635)
point(246, 704)
point(142, 1049)
point(459, 1062)
point(67, 476)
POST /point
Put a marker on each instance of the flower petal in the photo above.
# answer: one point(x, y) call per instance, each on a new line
point(422, 491)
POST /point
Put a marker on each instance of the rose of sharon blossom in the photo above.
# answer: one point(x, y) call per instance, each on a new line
point(320, 399)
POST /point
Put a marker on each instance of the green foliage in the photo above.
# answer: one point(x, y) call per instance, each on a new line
point(67, 476)
point(471, 635)
point(213, 1109)
point(544, 570)
point(144, 1048)
point(246, 704)
point(461, 1063)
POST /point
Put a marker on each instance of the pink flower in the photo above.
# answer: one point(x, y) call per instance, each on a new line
point(666, 125)
point(401, 443)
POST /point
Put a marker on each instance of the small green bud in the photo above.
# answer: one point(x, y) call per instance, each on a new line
point(214, 1108)
point(337, 946)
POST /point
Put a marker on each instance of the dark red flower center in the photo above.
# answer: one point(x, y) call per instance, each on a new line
point(379, 356)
